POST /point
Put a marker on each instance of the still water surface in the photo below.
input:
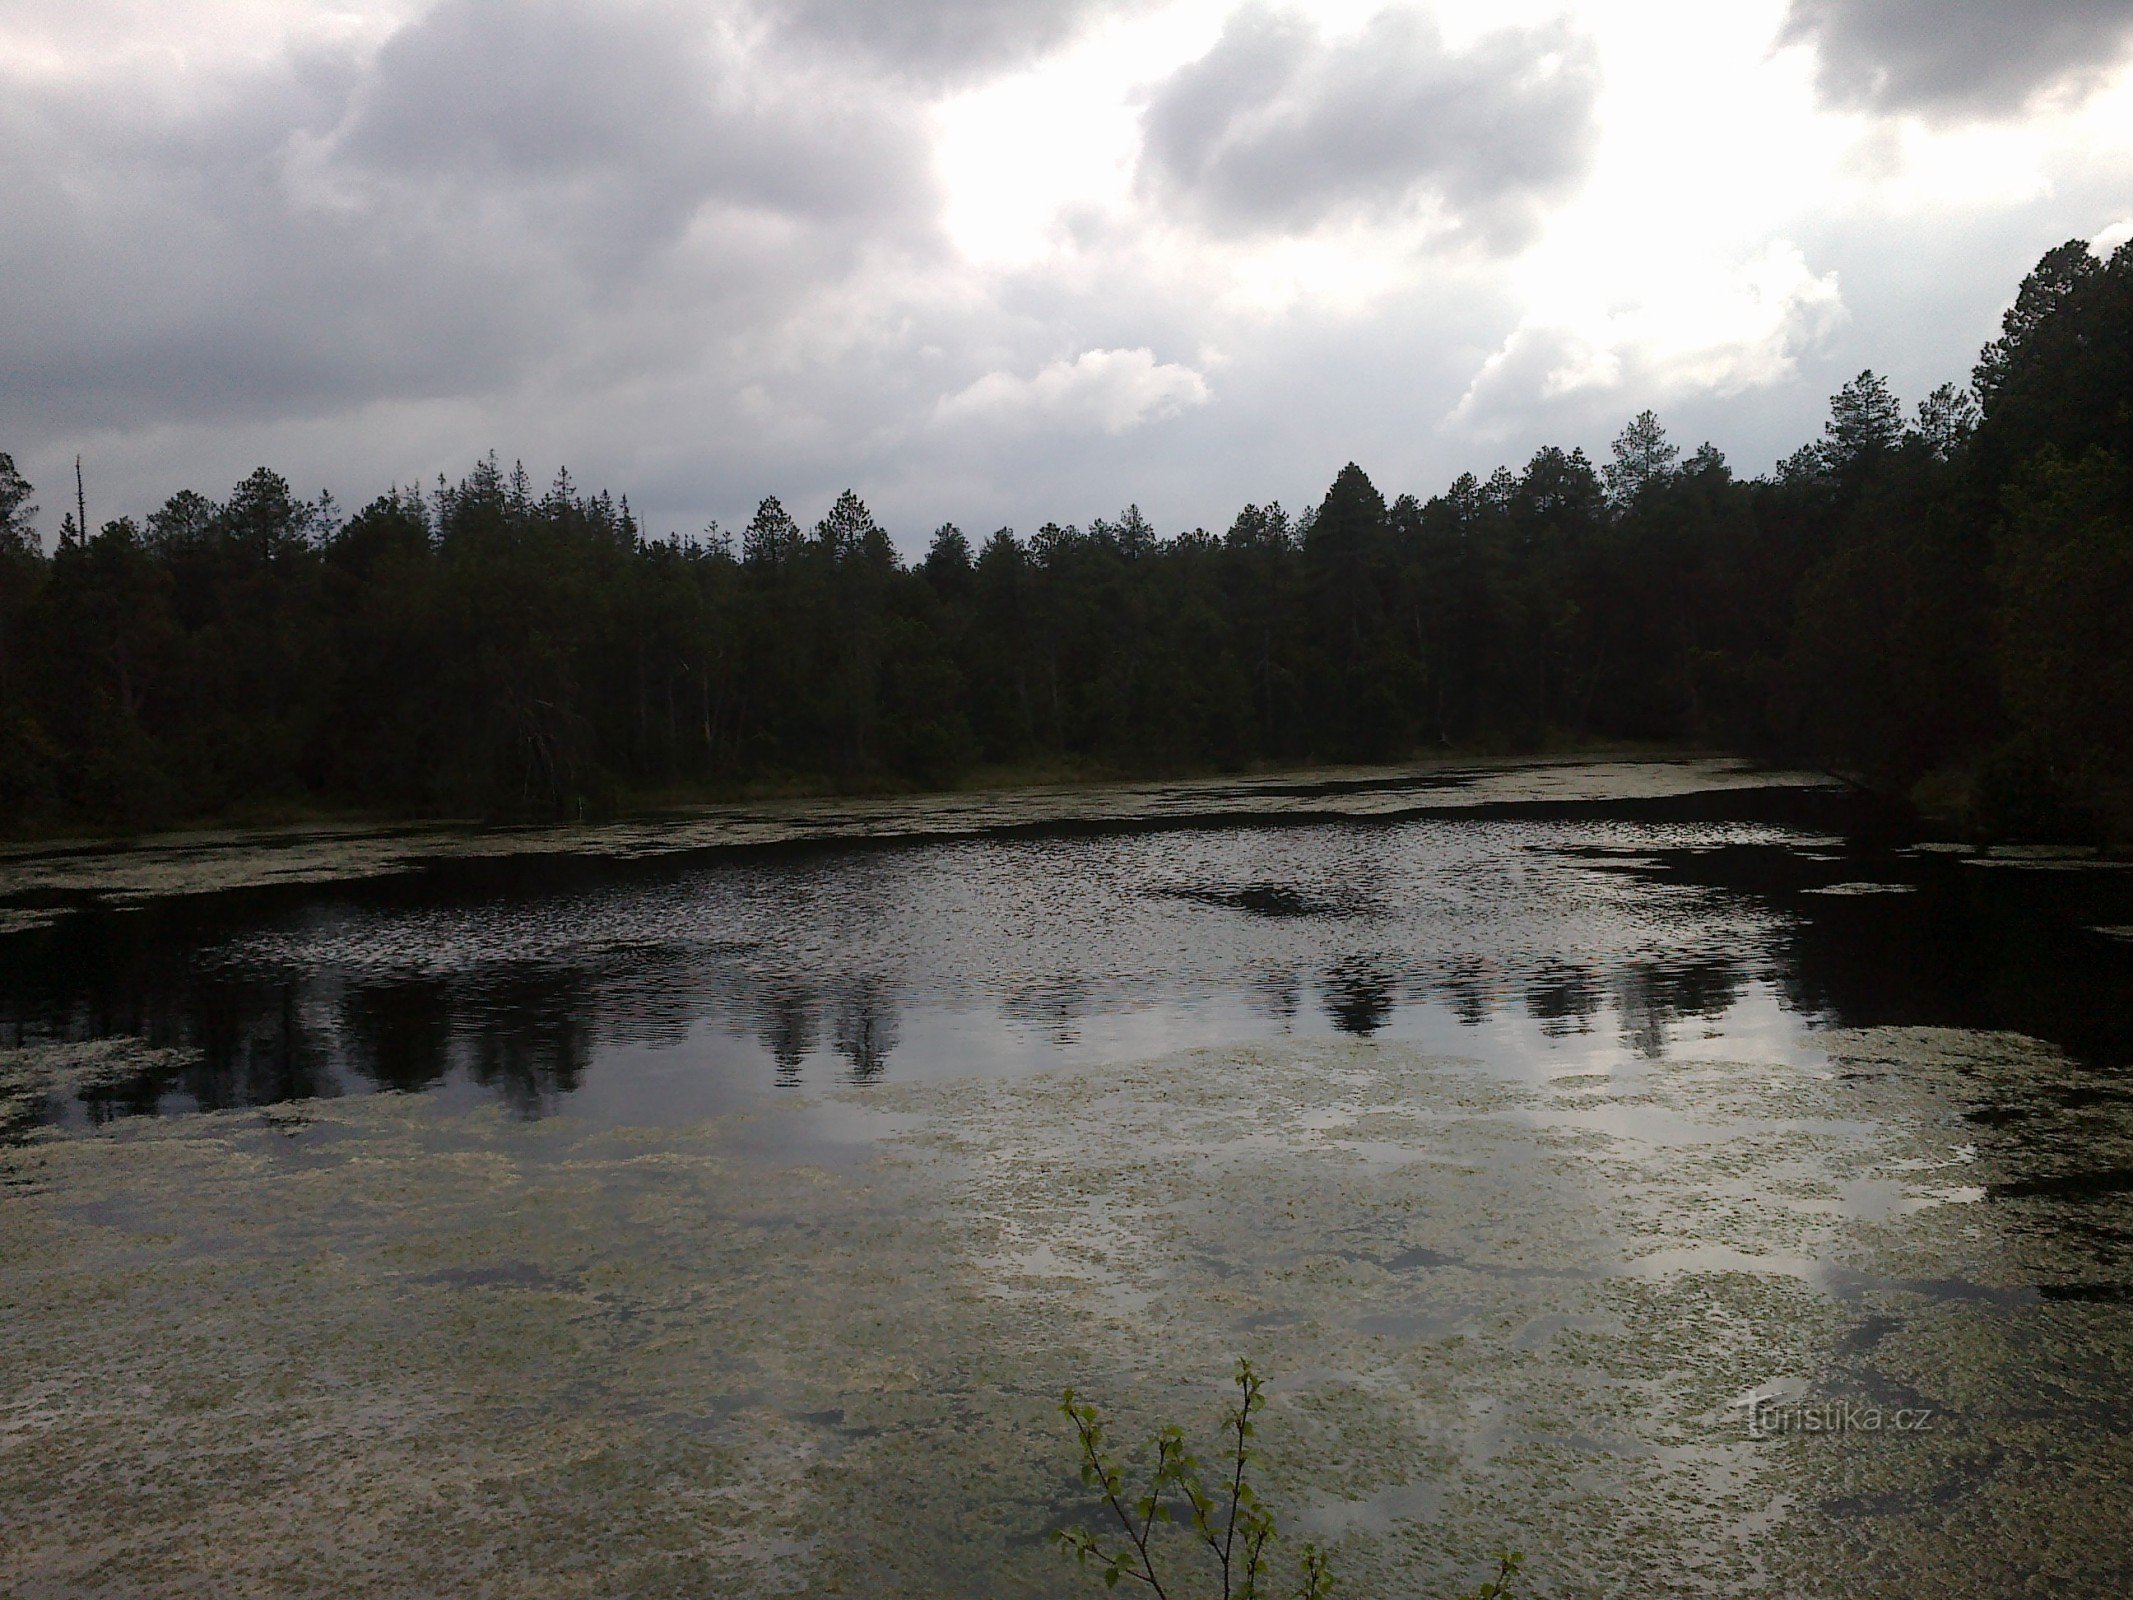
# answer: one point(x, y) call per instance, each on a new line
point(1570, 1166)
point(1736, 924)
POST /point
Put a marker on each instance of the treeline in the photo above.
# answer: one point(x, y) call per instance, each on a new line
point(1940, 602)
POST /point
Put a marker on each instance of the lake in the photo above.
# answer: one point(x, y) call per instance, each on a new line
point(1675, 1170)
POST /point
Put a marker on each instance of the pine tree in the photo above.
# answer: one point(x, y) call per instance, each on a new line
point(1642, 458)
point(1865, 425)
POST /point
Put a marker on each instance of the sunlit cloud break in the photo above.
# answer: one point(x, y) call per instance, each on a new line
point(1109, 390)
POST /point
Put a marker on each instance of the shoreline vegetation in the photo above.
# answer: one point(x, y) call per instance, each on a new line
point(43, 881)
point(1932, 606)
point(686, 803)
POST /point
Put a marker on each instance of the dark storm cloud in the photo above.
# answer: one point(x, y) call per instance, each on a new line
point(937, 40)
point(157, 267)
point(1278, 129)
point(497, 189)
point(643, 102)
point(1955, 60)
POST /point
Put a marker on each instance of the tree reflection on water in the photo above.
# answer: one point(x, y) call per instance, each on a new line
point(778, 972)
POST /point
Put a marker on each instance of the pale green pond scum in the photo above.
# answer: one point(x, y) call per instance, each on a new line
point(1581, 1172)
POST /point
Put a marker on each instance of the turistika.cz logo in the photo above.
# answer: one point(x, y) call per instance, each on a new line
point(1770, 1418)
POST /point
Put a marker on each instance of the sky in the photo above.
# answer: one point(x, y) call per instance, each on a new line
point(1005, 262)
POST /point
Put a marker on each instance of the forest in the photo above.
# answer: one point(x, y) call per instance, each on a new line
point(1937, 603)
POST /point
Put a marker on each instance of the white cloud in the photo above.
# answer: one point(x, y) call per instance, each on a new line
point(1107, 390)
point(1720, 333)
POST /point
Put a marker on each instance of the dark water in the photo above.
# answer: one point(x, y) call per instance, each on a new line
point(650, 991)
point(1531, 1309)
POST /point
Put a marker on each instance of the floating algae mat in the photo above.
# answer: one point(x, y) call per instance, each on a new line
point(379, 1347)
point(1584, 1182)
point(209, 862)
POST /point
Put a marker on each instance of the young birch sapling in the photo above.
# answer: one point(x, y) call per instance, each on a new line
point(1229, 1521)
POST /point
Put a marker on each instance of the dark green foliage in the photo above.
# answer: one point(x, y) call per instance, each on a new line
point(1643, 460)
point(2058, 375)
point(2066, 577)
point(26, 755)
point(1945, 598)
point(17, 514)
point(1865, 426)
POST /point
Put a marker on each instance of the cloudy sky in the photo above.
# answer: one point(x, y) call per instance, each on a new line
point(1006, 261)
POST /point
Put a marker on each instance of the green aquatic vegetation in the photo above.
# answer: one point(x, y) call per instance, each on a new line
point(164, 865)
point(491, 1357)
point(34, 1076)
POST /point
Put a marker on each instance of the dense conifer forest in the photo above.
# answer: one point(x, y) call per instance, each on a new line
point(1938, 602)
